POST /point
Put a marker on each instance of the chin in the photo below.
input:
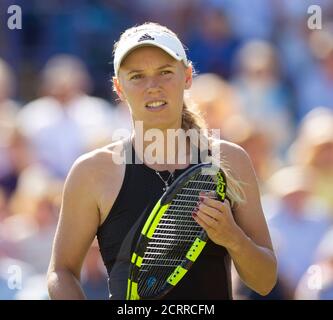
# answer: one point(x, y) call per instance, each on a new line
point(162, 123)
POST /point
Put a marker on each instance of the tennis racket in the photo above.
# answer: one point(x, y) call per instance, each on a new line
point(171, 240)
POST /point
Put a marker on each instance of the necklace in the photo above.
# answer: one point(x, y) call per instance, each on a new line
point(166, 182)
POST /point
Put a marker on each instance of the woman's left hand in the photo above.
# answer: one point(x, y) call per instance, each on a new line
point(217, 220)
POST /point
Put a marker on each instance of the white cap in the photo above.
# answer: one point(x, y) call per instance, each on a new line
point(291, 179)
point(146, 37)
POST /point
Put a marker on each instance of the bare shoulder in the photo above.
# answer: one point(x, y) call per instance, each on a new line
point(97, 160)
point(97, 177)
point(234, 155)
point(94, 170)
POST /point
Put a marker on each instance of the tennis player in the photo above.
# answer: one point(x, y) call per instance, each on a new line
point(106, 198)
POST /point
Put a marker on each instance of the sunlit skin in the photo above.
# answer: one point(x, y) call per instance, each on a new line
point(150, 74)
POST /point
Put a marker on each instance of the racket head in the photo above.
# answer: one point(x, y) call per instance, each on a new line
point(171, 240)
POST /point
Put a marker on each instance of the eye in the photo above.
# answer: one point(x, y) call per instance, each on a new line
point(165, 72)
point(136, 77)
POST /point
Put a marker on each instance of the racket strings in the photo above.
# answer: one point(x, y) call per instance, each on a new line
point(197, 184)
point(169, 266)
point(189, 224)
point(174, 236)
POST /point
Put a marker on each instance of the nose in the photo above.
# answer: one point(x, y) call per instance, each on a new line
point(153, 84)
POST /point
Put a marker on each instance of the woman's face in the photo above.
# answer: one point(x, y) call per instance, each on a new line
point(153, 83)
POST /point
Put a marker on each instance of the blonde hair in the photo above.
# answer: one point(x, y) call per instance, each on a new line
point(192, 118)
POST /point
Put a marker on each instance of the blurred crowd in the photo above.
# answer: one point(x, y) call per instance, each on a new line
point(263, 77)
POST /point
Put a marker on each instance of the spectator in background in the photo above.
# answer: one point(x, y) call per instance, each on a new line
point(8, 112)
point(218, 103)
point(264, 99)
point(20, 155)
point(66, 122)
point(317, 282)
point(257, 143)
point(177, 15)
point(31, 227)
point(122, 119)
point(8, 108)
point(249, 19)
point(291, 35)
point(212, 43)
point(314, 86)
point(313, 148)
point(26, 233)
point(298, 223)
point(14, 275)
point(3, 205)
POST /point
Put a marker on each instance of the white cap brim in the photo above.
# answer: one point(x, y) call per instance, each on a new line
point(163, 40)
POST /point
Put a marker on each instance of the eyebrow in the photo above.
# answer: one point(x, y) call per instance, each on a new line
point(159, 68)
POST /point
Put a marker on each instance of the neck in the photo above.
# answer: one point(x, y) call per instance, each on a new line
point(161, 149)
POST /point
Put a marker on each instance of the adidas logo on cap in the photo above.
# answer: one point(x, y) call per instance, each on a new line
point(146, 36)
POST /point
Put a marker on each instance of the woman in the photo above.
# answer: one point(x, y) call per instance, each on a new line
point(151, 74)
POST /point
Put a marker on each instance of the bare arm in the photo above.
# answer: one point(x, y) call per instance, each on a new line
point(253, 254)
point(245, 235)
point(78, 222)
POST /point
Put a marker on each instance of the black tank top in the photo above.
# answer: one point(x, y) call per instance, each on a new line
point(209, 277)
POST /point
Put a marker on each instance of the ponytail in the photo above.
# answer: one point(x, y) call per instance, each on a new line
point(191, 119)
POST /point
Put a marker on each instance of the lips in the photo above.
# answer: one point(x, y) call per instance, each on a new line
point(156, 104)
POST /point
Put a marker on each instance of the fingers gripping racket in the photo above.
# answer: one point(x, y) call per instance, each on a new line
point(171, 240)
